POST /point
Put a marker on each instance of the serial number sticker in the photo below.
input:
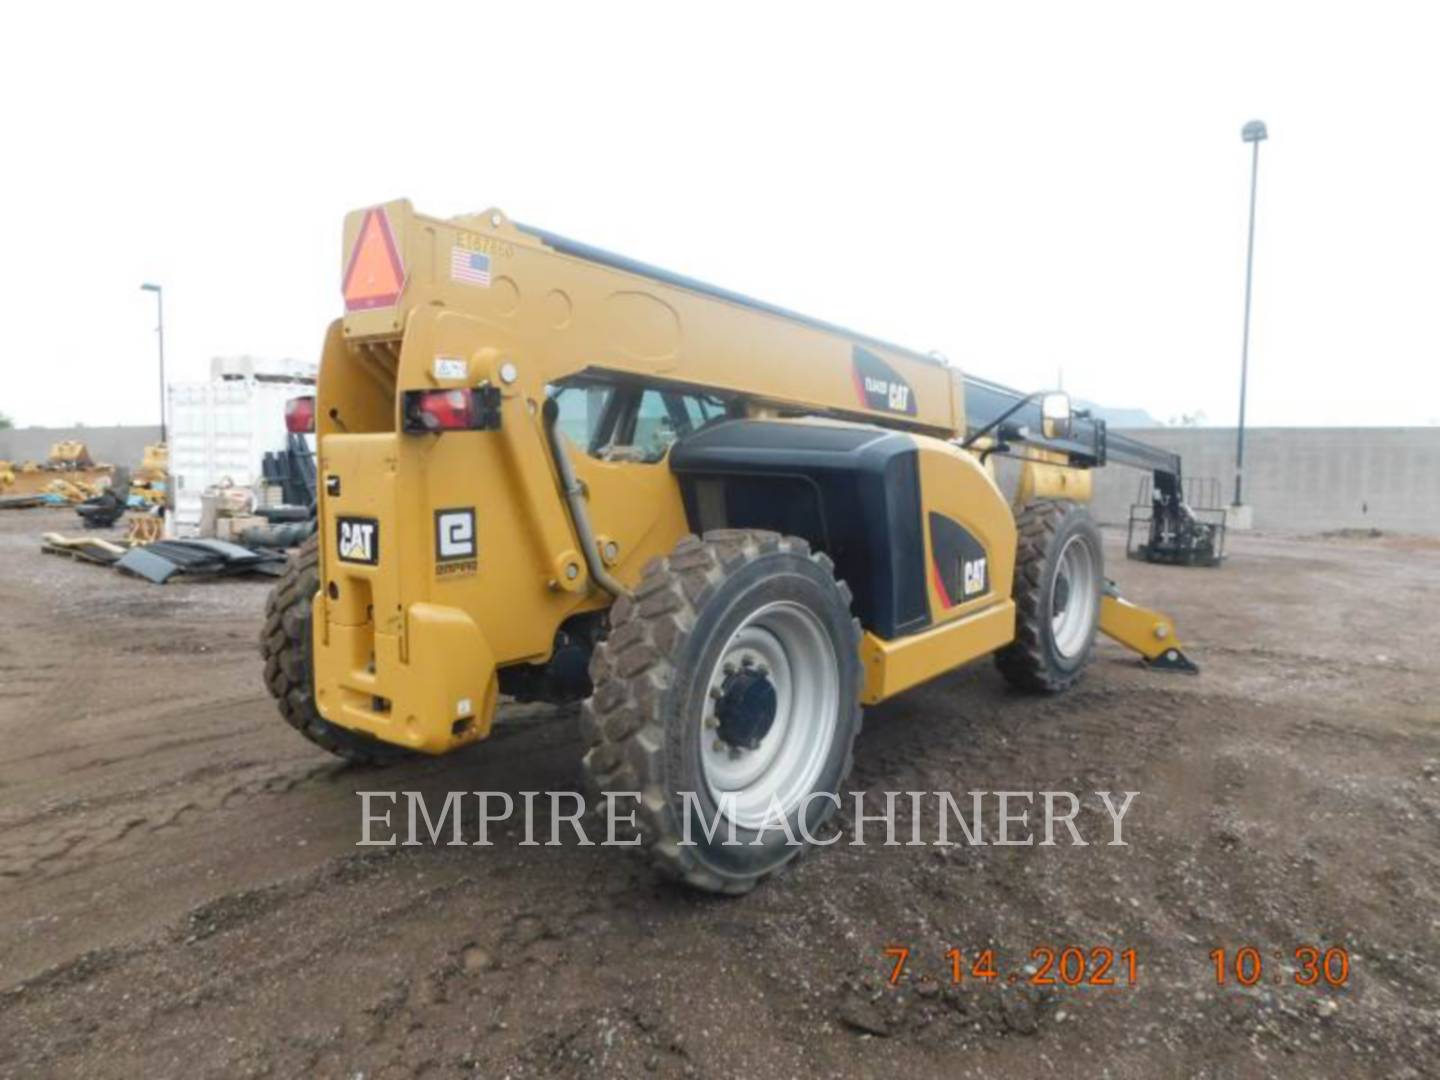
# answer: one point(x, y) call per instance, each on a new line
point(450, 367)
point(489, 245)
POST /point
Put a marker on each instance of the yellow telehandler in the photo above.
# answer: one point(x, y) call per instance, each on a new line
point(551, 473)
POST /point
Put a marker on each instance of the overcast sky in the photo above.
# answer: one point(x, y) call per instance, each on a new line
point(1026, 188)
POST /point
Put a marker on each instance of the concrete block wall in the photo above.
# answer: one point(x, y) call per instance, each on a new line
point(1296, 479)
point(1303, 479)
point(108, 445)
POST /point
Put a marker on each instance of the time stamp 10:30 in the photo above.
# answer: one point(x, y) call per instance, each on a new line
point(1071, 965)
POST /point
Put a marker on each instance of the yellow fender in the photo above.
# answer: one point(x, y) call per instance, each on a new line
point(1149, 633)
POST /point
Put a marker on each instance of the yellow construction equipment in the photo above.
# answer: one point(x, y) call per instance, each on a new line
point(70, 454)
point(155, 464)
point(150, 480)
point(71, 491)
point(552, 473)
point(144, 529)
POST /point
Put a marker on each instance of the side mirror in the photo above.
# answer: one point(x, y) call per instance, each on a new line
point(1055, 415)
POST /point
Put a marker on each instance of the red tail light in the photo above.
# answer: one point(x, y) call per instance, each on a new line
point(300, 415)
point(452, 410)
point(441, 410)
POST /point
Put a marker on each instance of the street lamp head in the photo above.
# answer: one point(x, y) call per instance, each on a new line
point(1254, 131)
point(147, 287)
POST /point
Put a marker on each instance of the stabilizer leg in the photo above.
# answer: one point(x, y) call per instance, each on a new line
point(1149, 633)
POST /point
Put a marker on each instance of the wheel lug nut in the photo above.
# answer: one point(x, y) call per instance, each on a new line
point(729, 668)
point(761, 669)
point(719, 744)
point(716, 693)
point(711, 722)
point(748, 662)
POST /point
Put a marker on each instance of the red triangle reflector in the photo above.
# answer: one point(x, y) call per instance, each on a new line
point(375, 275)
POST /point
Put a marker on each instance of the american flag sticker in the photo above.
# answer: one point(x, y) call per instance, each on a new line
point(471, 267)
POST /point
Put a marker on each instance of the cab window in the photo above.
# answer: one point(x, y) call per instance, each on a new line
point(662, 416)
point(629, 422)
point(582, 407)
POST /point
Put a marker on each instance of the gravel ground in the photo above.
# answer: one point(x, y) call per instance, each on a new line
point(182, 895)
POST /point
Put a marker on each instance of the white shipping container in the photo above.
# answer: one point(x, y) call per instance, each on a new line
point(219, 433)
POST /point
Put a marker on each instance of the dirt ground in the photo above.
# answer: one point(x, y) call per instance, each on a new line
point(181, 894)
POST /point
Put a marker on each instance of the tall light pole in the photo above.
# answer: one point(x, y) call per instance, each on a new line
point(160, 338)
point(1253, 133)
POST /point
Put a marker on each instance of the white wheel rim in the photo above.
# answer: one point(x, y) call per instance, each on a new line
point(1075, 580)
point(791, 644)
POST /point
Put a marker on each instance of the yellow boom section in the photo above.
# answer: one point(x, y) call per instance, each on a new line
point(574, 314)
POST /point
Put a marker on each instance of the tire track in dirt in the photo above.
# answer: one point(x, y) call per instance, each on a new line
point(68, 838)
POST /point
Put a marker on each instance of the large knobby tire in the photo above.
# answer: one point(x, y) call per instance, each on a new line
point(288, 649)
point(1059, 574)
point(769, 612)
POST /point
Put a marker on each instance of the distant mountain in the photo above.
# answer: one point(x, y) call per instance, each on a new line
point(1120, 418)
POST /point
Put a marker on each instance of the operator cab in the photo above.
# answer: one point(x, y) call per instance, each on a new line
point(629, 421)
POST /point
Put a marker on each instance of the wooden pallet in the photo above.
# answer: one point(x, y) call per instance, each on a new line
point(91, 549)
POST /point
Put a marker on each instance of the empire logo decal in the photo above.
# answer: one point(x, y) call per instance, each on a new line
point(358, 540)
point(880, 386)
point(455, 544)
